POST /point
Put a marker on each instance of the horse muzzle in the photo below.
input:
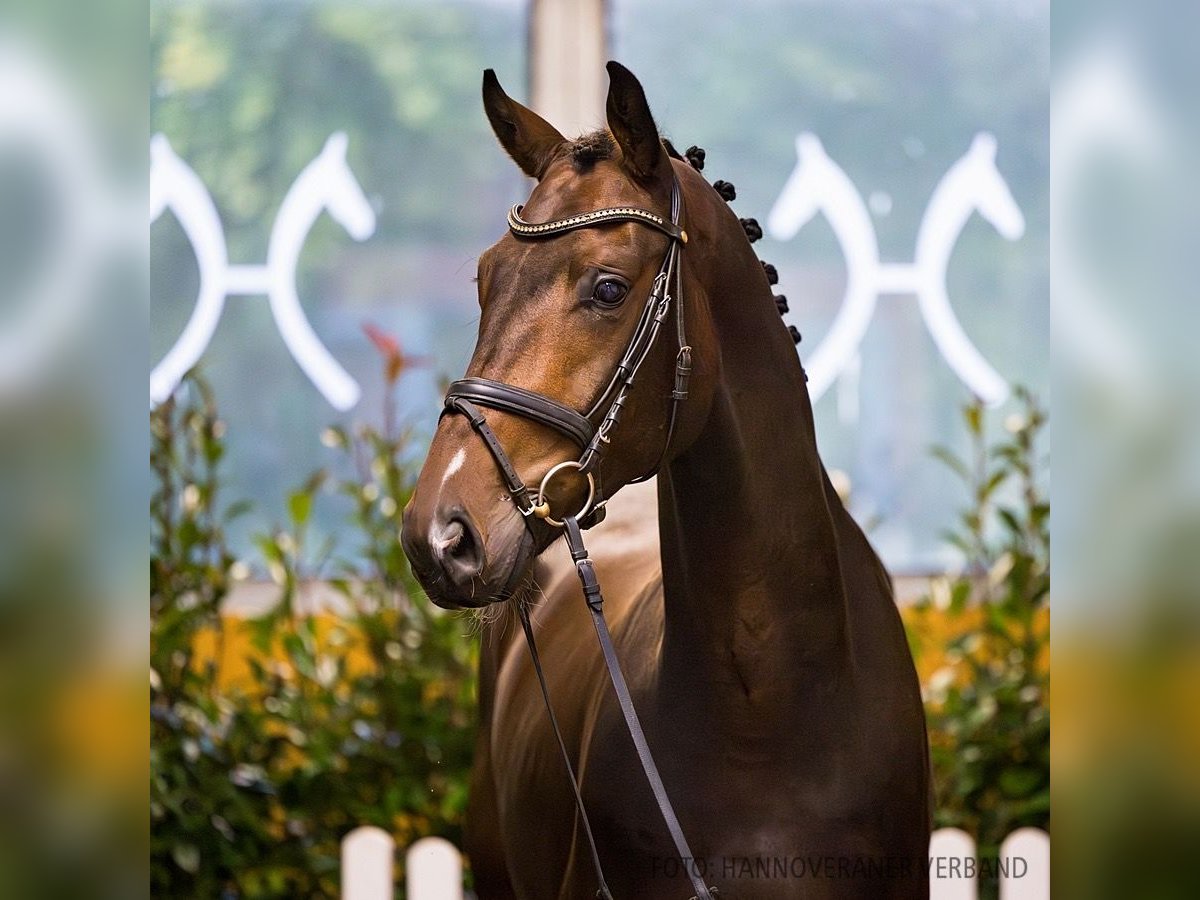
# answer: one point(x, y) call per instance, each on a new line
point(462, 563)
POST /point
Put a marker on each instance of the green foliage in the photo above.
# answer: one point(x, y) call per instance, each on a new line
point(367, 718)
point(363, 718)
point(248, 94)
point(988, 706)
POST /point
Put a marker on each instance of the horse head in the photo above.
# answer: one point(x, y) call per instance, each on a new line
point(556, 316)
point(334, 183)
point(983, 184)
point(804, 192)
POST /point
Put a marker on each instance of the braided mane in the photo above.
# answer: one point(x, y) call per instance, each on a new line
point(695, 157)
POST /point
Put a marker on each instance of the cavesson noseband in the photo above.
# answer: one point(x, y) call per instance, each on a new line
point(467, 395)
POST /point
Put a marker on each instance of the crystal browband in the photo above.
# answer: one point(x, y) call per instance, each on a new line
point(520, 227)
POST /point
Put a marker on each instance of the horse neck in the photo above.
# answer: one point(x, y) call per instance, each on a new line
point(751, 571)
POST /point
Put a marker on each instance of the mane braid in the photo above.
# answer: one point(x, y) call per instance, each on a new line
point(695, 157)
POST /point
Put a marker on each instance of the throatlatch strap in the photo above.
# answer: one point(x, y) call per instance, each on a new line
point(595, 605)
point(603, 892)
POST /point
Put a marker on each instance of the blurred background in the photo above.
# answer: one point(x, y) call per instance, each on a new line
point(248, 95)
point(896, 184)
point(322, 180)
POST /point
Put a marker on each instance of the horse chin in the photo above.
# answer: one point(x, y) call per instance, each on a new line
point(453, 601)
point(525, 550)
point(505, 579)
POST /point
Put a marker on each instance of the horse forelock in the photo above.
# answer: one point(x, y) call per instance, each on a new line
point(588, 149)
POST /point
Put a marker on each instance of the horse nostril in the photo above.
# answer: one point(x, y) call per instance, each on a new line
point(458, 549)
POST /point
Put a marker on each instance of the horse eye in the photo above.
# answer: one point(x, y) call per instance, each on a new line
point(609, 292)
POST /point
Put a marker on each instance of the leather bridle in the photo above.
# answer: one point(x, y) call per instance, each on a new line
point(467, 395)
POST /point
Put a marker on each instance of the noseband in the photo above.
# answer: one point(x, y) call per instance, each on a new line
point(467, 395)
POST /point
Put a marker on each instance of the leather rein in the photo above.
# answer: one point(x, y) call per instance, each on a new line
point(466, 396)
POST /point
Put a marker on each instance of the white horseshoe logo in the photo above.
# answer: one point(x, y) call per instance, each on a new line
point(325, 183)
point(1101, 104)
point(40, 113)
point(818, 184)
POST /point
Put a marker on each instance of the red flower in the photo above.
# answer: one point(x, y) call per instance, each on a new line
point(395, 361)
point(387, 344)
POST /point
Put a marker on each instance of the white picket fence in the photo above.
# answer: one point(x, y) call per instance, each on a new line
point(1023, 865)
point(433, 866)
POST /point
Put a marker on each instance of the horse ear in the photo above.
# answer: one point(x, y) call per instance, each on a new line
point(633, 127)
point(528, 138)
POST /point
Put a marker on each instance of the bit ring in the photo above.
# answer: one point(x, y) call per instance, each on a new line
point(541, 506)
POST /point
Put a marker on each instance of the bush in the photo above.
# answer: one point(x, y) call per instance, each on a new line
point(987, 706)
point(368, 717)
point(364, 718)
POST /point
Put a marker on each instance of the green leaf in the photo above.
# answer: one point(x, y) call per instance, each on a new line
point(1009, 518)
point(299, 655)
point(1019, 781)
point(959, 594)
point(996, 479)
point(973, 416)
point(316, 481)
point(956, 540)
point(237, 509)
point(949, 458)
point(300, 506)
point(268, 547)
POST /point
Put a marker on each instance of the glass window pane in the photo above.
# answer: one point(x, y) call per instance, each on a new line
point(248, 95)
point(894, 93)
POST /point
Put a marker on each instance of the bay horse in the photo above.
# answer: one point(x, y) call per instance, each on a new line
point(760, 640)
